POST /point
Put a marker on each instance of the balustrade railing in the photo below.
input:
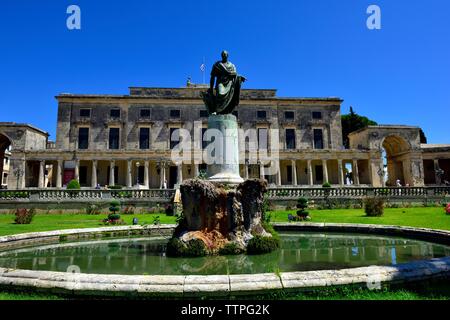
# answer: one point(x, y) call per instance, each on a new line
point(280, 193)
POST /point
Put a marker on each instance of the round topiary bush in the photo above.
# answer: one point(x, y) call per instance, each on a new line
point(261, 245)
point(73, 185)
point(374, 207)
point(326, 185)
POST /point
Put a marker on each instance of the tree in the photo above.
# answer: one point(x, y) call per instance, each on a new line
point(352, 122)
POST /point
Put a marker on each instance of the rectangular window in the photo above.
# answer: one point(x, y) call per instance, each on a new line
point(318, 139)
point(174, 135)
point(317, 115)
point(114, 138)
point(83, 138)
point(144, 138)
point(85, 113)
point(261, 115)
point(175, 114)
point(115, 113)
point(145, 113)
point(5, 178)
point(289, 115)
point(263, 139)
point(290, 139)
point(203, 114)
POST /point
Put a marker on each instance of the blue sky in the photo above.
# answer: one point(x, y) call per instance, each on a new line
point(397, 75)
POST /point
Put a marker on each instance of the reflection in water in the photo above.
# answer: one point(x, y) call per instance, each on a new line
point(299, 252)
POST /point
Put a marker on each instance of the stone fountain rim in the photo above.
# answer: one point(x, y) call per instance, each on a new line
point(224, 285)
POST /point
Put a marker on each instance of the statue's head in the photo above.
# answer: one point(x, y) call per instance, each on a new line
point(224, 55)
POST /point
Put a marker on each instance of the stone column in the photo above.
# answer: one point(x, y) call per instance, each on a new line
point(128, 178)
point(180, 174)
point(94, 174)
point(146, 174)
point(77, 170)
point(294, 173)
point(261, 170)
point(310, 173)
point(325, 171)
point(162, 174)
point(112, 165)
point(355, 172)
point(41, 180)
point(59, 171)
point(278, 174)
point(196, 170)
point(246, 170)
point(340, 173)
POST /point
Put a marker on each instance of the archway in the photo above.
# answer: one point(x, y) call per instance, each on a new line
point(395, 153)
point(5, 152)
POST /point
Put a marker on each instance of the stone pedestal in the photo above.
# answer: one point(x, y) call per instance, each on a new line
point(226, 151)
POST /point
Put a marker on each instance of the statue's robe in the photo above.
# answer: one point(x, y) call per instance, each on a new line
point(228, 88)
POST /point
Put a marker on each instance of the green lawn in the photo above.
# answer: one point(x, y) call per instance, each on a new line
point(434, 218)
point(48, 222)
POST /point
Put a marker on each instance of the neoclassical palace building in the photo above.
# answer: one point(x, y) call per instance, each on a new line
point(126, 140)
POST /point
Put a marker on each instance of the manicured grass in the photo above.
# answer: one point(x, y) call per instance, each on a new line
point(49, 222)
point(434, 218)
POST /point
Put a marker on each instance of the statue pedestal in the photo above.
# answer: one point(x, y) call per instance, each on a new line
point(226, 168)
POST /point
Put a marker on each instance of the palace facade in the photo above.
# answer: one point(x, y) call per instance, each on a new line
point(126, 140)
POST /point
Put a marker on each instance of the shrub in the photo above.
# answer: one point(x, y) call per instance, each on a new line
point(73, 185)
point(24, 216)
point(169, 210)
point(261, 245)
point(129, 209)
point(194, 248)
point(116, 187)
point(231, 248)
point(326, 185)
point(93, 209)
point(302, 204)
point(114, 207)
point(447, 209)
point(113, 216)
point(175, 248)
point(374, 207)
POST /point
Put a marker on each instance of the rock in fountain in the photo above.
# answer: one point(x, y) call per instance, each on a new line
point(218, 215)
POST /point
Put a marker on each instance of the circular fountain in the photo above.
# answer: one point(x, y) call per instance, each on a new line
point(131, 261)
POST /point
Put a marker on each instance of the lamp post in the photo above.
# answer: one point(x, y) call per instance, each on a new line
point(137, 173)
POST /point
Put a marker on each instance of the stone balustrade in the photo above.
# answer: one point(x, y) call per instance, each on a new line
point(164, 195)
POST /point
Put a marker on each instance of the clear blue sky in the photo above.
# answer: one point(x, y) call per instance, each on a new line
point(398, 75)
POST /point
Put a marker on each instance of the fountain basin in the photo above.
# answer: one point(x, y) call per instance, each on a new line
point(412, 261)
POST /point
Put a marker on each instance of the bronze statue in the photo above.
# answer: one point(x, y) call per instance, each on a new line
point(227, 87)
